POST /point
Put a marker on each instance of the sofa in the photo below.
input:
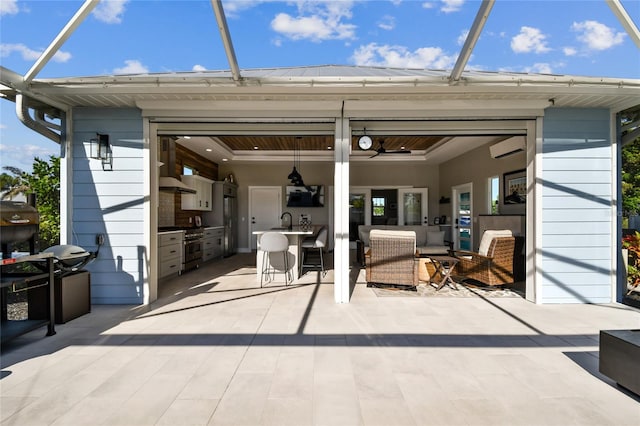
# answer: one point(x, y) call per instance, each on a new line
point(429, 239)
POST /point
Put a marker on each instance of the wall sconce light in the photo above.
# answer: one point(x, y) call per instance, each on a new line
point(101, 150)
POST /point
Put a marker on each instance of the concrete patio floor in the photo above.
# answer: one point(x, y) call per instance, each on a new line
point(217, 349)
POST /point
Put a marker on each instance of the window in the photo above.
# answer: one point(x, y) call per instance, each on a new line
point(378, 206)
point(188, 170)
point(494, 194)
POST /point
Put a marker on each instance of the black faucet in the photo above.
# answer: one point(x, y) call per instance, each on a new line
point(290, 219)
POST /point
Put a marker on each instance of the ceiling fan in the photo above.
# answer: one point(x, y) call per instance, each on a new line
point(381, 150)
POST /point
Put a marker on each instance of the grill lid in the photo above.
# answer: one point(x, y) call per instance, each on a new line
point(70, 258)
point(17, 213)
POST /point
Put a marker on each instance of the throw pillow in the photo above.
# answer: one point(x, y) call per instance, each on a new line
point(435, 238)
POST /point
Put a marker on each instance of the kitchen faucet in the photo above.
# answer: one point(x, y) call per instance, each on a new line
point(290, 219)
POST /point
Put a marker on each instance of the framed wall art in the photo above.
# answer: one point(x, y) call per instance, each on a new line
point(515, 187)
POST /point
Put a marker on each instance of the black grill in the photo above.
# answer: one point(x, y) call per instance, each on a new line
point(19, 222)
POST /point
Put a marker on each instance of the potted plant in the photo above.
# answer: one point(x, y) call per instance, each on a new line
point(631, 243)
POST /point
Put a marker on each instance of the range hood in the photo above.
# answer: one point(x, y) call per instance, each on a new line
point(167, 181)
point(171, 184)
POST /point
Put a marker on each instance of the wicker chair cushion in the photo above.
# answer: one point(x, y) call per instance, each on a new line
point(488, 236)
point(398, 235)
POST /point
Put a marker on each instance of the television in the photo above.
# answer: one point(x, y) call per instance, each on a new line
point(305, 196)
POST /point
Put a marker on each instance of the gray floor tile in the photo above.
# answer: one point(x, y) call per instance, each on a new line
point(217, 349)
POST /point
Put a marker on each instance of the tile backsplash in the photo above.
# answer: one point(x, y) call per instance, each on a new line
point(166, 209)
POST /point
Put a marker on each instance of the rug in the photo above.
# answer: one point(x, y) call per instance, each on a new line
point(465, 289)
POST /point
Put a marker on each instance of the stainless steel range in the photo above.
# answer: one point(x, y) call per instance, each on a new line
point(192, 254)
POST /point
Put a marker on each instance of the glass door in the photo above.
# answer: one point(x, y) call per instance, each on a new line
point(359, 212)
point(413, 206)
point(463, 217)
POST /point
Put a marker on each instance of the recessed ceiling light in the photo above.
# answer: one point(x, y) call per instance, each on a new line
point(255, 147)
point(225, 159)
point(329, 147)
point(208, 150)
point(186, 137)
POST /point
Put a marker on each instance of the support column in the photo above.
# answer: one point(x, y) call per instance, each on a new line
point(341, 211)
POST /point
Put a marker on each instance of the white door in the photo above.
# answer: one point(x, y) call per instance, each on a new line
point(462, 216)
point(413, 206)
point(265, 208)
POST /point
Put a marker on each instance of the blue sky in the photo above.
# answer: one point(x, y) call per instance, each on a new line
point(581, 38)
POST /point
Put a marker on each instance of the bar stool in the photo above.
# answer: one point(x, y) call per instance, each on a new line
point(274, 242)
point(317, 243)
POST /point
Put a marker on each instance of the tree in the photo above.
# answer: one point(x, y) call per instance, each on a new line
point(44, 182)
point(631, 178)
point(11, 185)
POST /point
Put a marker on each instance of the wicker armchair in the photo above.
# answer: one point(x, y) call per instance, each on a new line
point(495, 267)
point(391, 258)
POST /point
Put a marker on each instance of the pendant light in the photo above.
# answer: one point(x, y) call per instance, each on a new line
point(294, 176)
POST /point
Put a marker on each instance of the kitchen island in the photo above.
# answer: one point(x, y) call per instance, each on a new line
point(295, 235)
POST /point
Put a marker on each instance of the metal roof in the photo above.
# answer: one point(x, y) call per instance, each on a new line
point(318, 83)
point(331, 82)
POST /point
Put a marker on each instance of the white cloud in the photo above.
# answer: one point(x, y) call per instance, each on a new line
point(428, 5)
point(3, 126)
point(569, 51)
point(232, 9)
point(462, 37)
point(9, 7)
point(313, 28)
point(22, 155)
point(29, 54)
point(110, 11)
point(198, 67)
point(374, 54)
point(316, 21)
point(451, 5)
point(539, 68)
point(529, 40)
point(387, 23)
point(597, 36)
point(132, 66)
point(61, 56)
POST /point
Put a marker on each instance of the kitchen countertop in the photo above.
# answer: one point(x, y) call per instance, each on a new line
point(296, 230)
point(168, 231)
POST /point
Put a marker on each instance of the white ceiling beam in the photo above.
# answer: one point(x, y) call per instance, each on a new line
point(61, 38)
point(625, 20)
point(470, 41)
point(226, 39)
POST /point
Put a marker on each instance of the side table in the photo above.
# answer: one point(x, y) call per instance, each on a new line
point(445, 266)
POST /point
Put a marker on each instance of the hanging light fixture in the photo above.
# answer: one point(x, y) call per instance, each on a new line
point(294, 176)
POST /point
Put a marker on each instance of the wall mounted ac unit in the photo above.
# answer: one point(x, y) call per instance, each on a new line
point(507, 147)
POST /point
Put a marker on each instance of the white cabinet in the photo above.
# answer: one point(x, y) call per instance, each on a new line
point(201, 200)
point(212, 243)
point(170, 253)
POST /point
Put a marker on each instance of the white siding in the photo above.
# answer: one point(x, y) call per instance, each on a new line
point(111, 202)
point(577, 206)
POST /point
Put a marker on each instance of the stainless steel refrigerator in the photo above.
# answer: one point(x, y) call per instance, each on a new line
point(224, 213)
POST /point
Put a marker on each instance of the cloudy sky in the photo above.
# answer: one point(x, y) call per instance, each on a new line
point(581, 38)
